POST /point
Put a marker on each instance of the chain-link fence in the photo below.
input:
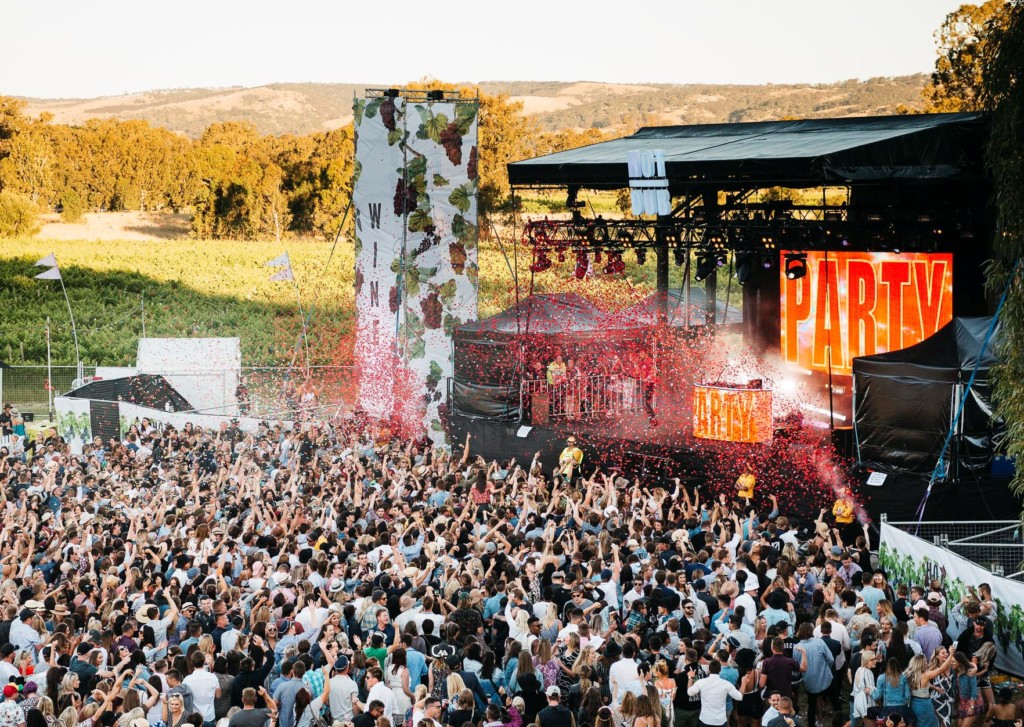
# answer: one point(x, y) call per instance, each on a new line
point(264, 391)
point(995, 545)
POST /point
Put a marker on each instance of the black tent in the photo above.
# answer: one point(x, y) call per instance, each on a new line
point(647, 311)
point(904, 401)
point(491, 355)
point(148, 390)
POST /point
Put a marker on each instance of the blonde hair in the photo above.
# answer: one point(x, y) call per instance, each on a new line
point(455, 684)
point(915, 670)
point(551, 616)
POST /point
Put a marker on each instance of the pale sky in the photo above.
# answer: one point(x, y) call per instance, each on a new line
point(74, 49)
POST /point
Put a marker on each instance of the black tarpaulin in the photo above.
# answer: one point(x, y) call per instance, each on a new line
point(149, 390)
point(809, 152)
point(905, 401)
point(647, 312)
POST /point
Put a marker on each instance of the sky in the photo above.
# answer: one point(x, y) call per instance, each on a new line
point(65, 49)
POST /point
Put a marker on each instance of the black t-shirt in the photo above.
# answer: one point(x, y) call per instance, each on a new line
point(364, 720)
point(682, 700)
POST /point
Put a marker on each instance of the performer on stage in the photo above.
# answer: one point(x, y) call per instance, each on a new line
point(648, 376)
point(845, 512)
point(570, 459)
point(745, 486)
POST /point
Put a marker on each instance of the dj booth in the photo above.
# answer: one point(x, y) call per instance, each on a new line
point(732, 412)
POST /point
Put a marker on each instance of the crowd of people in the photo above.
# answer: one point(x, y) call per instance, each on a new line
point(330, 575)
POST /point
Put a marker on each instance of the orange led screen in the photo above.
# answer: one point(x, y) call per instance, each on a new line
point(860, 303)
point(732, 415)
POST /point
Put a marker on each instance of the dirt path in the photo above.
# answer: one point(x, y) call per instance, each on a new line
point(137, 226)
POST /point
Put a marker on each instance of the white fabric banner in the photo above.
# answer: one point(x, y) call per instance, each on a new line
point(416, 252)
point(910, 560)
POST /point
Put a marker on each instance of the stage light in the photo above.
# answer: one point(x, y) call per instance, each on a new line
point(615, 264)
point(796, 266)
point(435, 95)
point(582, 265)
point(680, 256)
point(541, 263)
point(641, 256)
point(744, 269)
point(706, 264)
point(767, 262)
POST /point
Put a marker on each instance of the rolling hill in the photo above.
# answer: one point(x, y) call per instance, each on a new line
point(302, 108)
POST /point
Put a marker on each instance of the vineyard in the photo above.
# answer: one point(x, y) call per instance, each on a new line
point(184, 288)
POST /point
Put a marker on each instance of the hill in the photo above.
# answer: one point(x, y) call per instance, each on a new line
point(303, 108)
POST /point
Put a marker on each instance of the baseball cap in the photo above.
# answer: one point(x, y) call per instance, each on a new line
point(341, 664)
point(553, 691)
point(934, 597)
point(10, 691)
point(283, 625)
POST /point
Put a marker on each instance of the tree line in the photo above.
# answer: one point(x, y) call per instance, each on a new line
point(237, 183)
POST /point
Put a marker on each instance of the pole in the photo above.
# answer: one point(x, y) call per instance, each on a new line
point(305, 337)
point(49, 373)
point(143, 315)
point(74, 330)
point(831, 408)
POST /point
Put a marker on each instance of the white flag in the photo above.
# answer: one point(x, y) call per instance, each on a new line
point(51, 274)
point(49, 261)
point(278, 262)
point(285, 274)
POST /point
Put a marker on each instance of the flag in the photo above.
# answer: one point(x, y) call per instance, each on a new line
point(51, 274)
point(285, 274)
point(280, 261)
point(49, 261)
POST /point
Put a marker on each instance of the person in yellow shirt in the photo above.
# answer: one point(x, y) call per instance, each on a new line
point(570, 459)
point(745, 486)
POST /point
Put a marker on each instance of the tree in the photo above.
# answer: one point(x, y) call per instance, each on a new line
point(965, 45)
point(1003, 92)
point(19, 216)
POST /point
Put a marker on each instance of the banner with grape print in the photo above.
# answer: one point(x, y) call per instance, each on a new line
point(416, 252)
point(914, 562)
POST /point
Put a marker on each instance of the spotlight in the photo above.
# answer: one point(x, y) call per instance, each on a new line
point(582, 265)
point(615, 264)
point(796, 266)
point(541, 263)
point(744, 269)
point(680, 256)
point(436, 95)
point(767, 262)
point(641, 256)
point(706, 264)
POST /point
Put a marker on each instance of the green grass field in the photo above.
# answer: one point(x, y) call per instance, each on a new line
point(221, 288)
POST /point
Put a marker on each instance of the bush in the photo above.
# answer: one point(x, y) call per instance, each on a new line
point(72, 207)
point(19, 216)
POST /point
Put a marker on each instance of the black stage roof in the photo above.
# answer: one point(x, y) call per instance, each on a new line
point(912, 149)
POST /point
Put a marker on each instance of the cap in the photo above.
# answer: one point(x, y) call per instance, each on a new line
point(341, 664)
point(282, 626)
point(7, 649)
point(837, 551)
point(934, 597)
point(10, 691)
point(26, 613)
point(606, 574)
point(553, 691)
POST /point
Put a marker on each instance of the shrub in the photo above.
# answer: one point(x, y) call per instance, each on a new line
point(19, 216)
point(72, 207)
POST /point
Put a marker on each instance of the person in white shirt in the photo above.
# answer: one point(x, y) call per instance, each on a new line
point(379, 692)
point(7, 667)
point(713, 691)
point(205, 688)
point(342, 689)
point(623, 672)
point(746, 599)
